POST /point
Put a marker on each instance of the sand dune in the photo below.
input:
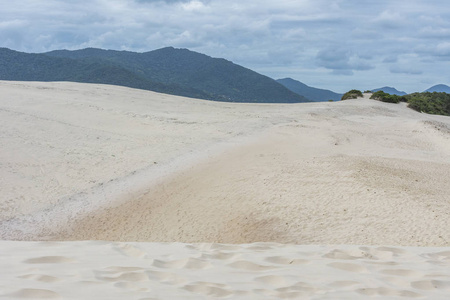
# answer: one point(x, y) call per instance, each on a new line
point(96, 162)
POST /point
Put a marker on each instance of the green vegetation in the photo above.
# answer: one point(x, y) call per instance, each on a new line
point(367, 91)
point(352, 94)
point(385, 97)
point(430, 103)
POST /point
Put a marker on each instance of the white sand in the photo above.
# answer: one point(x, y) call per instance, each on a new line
point(97, 162)
point(106, 270)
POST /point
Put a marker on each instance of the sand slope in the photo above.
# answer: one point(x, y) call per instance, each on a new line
point(100, 162)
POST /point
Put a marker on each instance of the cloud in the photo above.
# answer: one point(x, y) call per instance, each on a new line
point(343, 37)
point(341, 61)
point(405, 69)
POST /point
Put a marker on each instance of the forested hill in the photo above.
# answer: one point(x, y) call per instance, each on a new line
point(314, 94)
point(40, 67)
point(167, 70)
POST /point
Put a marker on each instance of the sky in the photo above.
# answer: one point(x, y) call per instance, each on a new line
point(332, 44)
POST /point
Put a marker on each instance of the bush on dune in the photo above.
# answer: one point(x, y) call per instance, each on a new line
point(430, 103)
point(385, 97)
point(352, 94)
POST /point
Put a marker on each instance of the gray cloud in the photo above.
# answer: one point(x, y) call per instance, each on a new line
point(314, 41)
point(404, 69)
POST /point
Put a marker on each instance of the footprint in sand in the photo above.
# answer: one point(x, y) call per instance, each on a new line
point(208, 289)
point(221, 256)
point(34, 294)
point(296, 291)
point(129, 250)
point(280, 260)
point(131, 286)
point(262, 246)
point(383, 253)
point(401, 272)
point(41, 278)
point(167, 278)
point(128, 277)
point(292, 295)
point(382, 291)
point(249, 266)
point(274, 280)
point(186, 263)
point(343, 283)
point(439, 256)
point(348, 267)
point(225, 247)
point(114, 269)
point(50, 260)
point(338, 254)
point(431, 285)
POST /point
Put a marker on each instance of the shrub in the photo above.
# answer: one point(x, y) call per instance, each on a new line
point(352, 94)
point(431, 103)
point(385, 97)
point(367, 91)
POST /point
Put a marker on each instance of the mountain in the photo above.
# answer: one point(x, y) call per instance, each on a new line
point(20, 66)
point(314, 94)
point(167, 70)
point(205, 77)
point(390, 90)
point(440, 88)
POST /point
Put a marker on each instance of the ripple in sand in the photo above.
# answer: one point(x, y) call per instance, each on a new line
point(35, 294)
point(49, 260)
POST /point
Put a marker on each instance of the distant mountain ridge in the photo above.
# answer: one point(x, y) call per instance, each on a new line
point(167, 70)
point(440, 88)
point(390, 90)
point(314, 94)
